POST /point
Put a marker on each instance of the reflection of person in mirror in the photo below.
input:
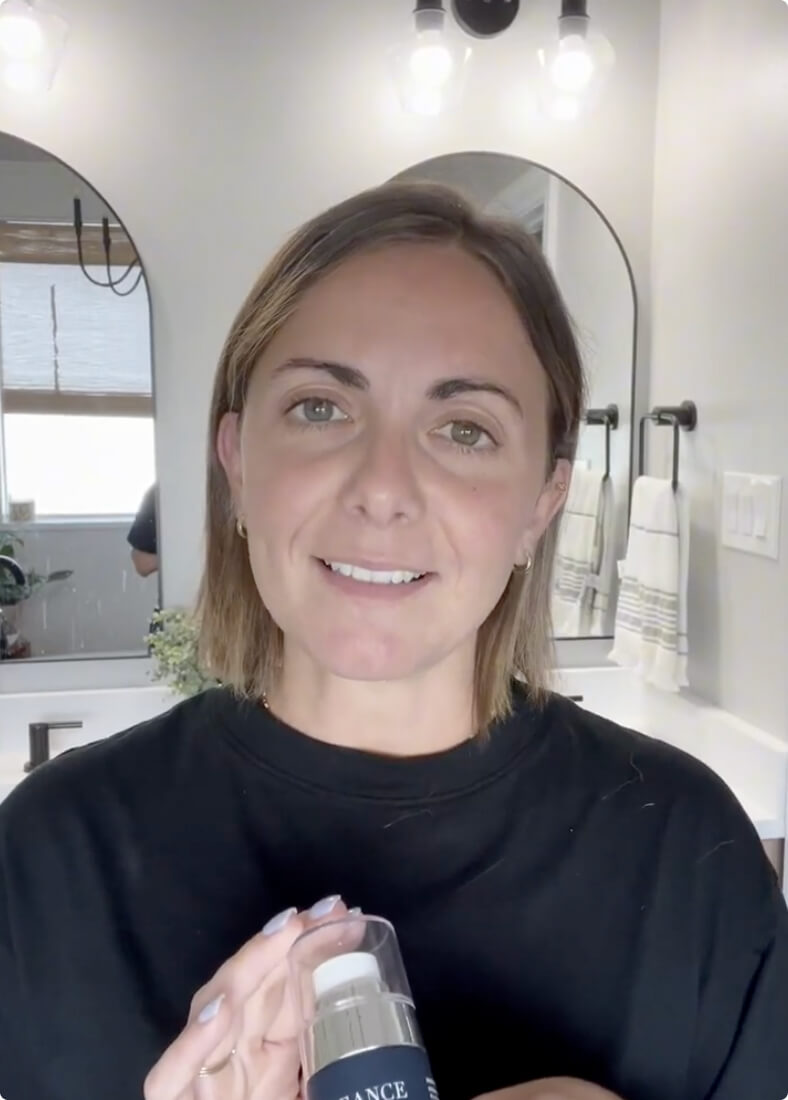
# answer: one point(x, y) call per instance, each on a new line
point(143, 536)
point(584, 912)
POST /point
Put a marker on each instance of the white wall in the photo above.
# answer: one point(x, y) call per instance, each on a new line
point(720, 321)
point(214, 136)
point(34, 190)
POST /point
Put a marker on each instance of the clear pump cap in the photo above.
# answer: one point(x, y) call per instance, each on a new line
point(345, 960)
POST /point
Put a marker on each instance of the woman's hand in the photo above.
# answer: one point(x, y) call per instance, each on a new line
point(553, 1088)
point(240, 1041)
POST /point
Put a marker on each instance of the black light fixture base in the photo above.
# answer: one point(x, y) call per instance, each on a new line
point(574, 9)
point(485, 18)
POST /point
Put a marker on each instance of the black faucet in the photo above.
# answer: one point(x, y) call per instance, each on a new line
point(38, 736)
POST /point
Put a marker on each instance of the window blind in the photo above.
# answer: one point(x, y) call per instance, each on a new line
point(69, 346)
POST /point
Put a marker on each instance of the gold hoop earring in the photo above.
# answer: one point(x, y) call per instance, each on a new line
point(240, 527)
point(526, 566)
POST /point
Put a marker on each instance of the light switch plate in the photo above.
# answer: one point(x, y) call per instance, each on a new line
point(751, 506)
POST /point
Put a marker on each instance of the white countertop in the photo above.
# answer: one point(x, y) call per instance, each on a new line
point(752, 762)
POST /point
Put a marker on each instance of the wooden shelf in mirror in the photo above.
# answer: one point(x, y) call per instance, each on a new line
point(76, 404)
point(48, 243)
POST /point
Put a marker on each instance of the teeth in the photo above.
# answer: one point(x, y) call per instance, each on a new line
point(373, 576)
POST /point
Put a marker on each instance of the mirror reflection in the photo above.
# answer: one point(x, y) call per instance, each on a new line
point(78, 532)
point(593, 276)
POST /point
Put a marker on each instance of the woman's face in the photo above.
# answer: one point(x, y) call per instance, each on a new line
point(390, 463)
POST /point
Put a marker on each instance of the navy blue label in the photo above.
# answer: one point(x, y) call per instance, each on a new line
point(389, 1073)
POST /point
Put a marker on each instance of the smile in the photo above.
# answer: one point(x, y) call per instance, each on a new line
point(373, 576)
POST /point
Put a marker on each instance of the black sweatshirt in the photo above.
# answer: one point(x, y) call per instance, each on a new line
point(571, 898)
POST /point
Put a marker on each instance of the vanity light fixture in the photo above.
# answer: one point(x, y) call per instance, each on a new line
point(485, 18)
point(428, 68)
point(574, 66)
point(32, 37)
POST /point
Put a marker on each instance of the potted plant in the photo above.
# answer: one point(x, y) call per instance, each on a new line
point(18, 584)
point(173, 645)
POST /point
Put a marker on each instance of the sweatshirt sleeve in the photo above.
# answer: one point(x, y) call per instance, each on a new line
point(741, 1045)
point(19, 1079)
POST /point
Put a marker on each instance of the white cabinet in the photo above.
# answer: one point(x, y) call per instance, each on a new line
point(101, 713)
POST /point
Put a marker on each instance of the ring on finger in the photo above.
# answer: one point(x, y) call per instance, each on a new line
point(210, 1071)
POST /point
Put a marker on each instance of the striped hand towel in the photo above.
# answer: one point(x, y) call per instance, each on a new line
point(651, 617)
point(608, 566)
point(578, 554)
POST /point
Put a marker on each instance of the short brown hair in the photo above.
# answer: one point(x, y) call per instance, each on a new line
point(240, 642)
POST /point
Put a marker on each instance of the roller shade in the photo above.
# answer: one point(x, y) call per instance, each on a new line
point(68, 346)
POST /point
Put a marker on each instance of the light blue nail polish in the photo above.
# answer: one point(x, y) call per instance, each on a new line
point(211, 1010)
point(323, 907)
point(277, 923)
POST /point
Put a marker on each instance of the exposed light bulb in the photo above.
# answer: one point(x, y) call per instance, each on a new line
point(32, 37)
point(573, 66)
point(572, 69)
point(21, 37)
point(431, 62)
point(428, 68)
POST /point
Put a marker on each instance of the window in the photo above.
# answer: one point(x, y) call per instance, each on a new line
point(79, 465)
point(75, 390)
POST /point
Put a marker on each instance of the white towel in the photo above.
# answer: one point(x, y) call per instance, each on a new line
point(651, 618)
point(607, 569)
point(578, 554)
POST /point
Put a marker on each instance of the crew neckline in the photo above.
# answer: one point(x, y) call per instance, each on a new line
point(336, 769)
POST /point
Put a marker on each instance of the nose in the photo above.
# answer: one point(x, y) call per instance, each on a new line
point(383, 487)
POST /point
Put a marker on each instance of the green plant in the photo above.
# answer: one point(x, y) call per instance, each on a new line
point(17, 583)
point(9, 543)
point(173, 646)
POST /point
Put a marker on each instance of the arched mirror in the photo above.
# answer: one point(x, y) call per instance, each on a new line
point(78, 531)
point(594, 278)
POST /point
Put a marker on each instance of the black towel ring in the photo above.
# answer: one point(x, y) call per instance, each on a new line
point(683, 416)
point(609, 417)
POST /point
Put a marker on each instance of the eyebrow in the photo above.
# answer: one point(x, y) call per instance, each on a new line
point(444, 390)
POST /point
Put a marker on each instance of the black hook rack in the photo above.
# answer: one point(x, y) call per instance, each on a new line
point(683, 416)
point(609, 418)
point(106, 240)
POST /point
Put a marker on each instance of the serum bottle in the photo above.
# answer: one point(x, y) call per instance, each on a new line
point(359, 1036)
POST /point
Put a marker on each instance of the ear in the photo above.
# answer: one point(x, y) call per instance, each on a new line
point(228, 450)
point(550, 501)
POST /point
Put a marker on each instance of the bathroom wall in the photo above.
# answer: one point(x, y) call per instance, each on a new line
point(35, 190)
point(720, 322)
point(214, 137)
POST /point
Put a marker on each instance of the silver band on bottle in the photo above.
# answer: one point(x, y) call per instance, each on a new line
point(357, 1021)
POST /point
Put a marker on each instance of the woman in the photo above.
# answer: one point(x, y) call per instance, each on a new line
point(393, 424)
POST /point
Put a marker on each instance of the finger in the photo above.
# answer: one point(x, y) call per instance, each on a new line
point(203, 1042)
point(279, 1075)
point(226, 1006)
point(272, 1010)
point(217, 1009)
point(244, 972)
point(228, 1082)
